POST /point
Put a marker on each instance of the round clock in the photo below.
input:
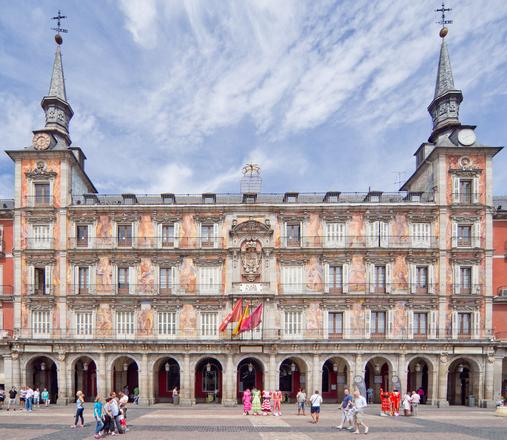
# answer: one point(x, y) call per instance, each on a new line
point(41, 141)
point(466, 136)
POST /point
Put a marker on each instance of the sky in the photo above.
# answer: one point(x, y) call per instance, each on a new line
point(176, 96)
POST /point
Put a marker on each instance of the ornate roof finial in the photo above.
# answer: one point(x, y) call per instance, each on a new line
point(443, 21)
point(58, 28)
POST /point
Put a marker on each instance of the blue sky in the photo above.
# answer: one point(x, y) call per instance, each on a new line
point(176, 96)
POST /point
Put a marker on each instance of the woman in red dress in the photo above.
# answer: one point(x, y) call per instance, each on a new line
point(385, 407)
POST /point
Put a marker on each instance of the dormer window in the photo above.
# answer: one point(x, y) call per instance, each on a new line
point(249, 198)
point(129, 199)
point(209, 198)
point(91, 199)
point(373, 197)
point(332, 197)
point(290, 197)
point(168, 199)
point(414, 196)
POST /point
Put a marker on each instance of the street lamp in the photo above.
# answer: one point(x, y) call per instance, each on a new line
point(125, 366)
point(250, 367)
point(85, 366)
point(417, 367)
point(208, 367)
point(460, 368)
point(167, 367)
point(43, 366)
point(293, 367)
point(335, 367)
point(377, 368)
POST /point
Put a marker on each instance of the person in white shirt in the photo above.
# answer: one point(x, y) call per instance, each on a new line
point(315, 401)
point(415, 399)
point(28, 402)
point(406, 404)
point(36, 397)
point(358, 411)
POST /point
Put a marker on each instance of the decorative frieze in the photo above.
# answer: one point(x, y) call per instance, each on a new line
point(212, 261)
point(40, 172)
point(47, 258)
point(83, 260)
point(165, 217)
point(251, 228)
point(125, 259)
point(209, 219)
point(125, 216)
point(166, 260)
point(34, 217)
point(83, 217)
point(384, 215)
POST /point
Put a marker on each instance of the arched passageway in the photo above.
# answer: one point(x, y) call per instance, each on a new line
point(334, 379)
point(418, 377)
point(85, 378)
point(41, 372)
point(125, 374)
point(250, 375)
point(462, 382)
point(377, 374)
point(292, 377)
point(167, 377)
point(208, 381)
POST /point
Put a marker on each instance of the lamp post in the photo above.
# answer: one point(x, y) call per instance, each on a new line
point(292, 367)
point(250, 367)
point(43, 366)
point(167, 367)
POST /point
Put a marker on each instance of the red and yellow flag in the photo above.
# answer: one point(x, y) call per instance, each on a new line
point(237, 329)
point(233, 316)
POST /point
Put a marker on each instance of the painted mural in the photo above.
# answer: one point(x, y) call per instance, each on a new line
point(145, 232)
point(400, 275)
point(357, 320)
point(399, 328)
point(146, 281)
point(104, 320)
point(104, 231)
point(104, 276)
point(314, 275)
point(145, 321)
point(313, 323)
point(313, 231)
point(188, 321)
point(356, 230)
point(189, 231)
point(357, 274)
point(188, 276)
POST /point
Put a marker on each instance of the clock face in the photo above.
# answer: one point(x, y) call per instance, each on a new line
point(41, 141)
point(466, 136)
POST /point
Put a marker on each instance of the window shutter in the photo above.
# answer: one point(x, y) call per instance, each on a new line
point(76, 280)
point(326, 278)
point(388, 278)
point(371, 277)
point(302, 238)
point(455, 189)
point(370, 228)
point(432, 324)
point(215, 235)
point(300, 271)
point(367, 324)
point(413, 278)
point(31, 279)
point(159, 235)
point(390, 318)
point(410, 324)
point(476, 234)
point(475, 279)
point(284, 238)
point(475, 190)
point(176, 234)
point(132, 279)
point(49, 278)
point(384, 234)
point(454, 238)
point(346, 325)
point(431, 278)
point(345, 277)
point(413, 234)
point(457, 281)
point(91, 235)
point(175, 275)
point(455, 324)
point(134, 233)
point(115, 278)
point(92, 276)
point(476, 324)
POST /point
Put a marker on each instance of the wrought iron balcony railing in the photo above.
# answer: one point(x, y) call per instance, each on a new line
point(40, 243)
point(146, 243)
point(45, 201)
point(360, 241)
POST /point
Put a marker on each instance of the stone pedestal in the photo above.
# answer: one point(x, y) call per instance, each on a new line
point(229, 402)
point(186, 401)
point(487, 404)
point(442, 403)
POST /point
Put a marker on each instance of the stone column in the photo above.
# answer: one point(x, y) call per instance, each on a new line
point(432, 391)
point(272, 373)
point(316, 375)
point(489, 397)
point(497, 375)
point(17, 380)
point(187, 397)
point(8, 373)
point(63, 397)
point(151, 385)
point(102, 388)
point(228, 394)
point(402, 372)
point(442, 381)
point(143, 380)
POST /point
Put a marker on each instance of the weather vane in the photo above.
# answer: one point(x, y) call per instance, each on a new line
point(58, 28)
point(251, 168)
point(443, 21)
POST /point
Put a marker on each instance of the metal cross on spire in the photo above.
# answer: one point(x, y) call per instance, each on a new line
point(443, 21)
point(58, 28)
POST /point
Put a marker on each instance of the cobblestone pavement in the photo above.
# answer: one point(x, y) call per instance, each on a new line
point(216, 422)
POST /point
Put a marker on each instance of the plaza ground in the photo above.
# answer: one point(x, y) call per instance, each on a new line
point(217, 422)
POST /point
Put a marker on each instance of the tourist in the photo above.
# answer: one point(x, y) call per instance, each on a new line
point(79, 410)
point(45, 397)
point(126, 390)
point(301, 401)
point(256, 402)
point(2, 397)
point(29, 399)
point(315, 401)
point(422, 395)
point(345, 407)
point(266, 403)
point(395, 402)
point(22, 397)
point(415, 400)
point(405, 404)
point(36, 397)
point(176, 397)
point(97, 415)
point(369, 394)
point(276, 396)
point(136, 395)
point(385, 403)
point(358, 412)
point(108, 417)
point(115, 412)
point(12, 399)
point(123, 410)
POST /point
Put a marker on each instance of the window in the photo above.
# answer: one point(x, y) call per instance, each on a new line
point(82, 235)
point(293, 326)
point(210, 279)
point(464, 324)
point(123, 280)
point(421, 279)
point(209, 198)
point(465, 279)
point(124, 324)
point(166, 323)
point(165, 279)
point(40, 281)
point(42, 194)
point(420, 324)
point(84, 324)
point(41, 323)
point(465, 191)
point(335, 279)
point(124, 235)
point(168, 235)
point(377, 234)
point(41, 237)
point(464, 235)
point(378, 323)
point(293, 234)
point(292, 279)
point(209, 326)
point(83, 275)
point(421, 234)
point(379, 279)
point(207, 235)
point(335, 234)
point(335, 324)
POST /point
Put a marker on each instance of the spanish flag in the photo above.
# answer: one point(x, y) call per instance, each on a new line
point(233, 316)
point(237, 329)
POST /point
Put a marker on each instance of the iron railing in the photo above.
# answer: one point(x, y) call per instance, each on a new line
point(46, 201)
point(146, 242)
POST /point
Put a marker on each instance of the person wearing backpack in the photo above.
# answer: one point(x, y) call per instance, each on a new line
point(315, 401)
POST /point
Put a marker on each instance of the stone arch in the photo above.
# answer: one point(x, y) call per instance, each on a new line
point(464, 381)
point(208, 379)
point(378, 373)
point(41, 371)
point(166, 372)
point(420, 371)
point(292, 375)
point(83, 375)
point(124, 370)
point(336, 376)
point(250, 373)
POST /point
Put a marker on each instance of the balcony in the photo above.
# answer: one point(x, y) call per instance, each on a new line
point(146, 243)
point(360, 242)
point(40, 243)
point(45, 201)
point(358, 288)
point(40, 289)
point(467, 289)
point(125, 289)
point(466, 242)
point(467, 198)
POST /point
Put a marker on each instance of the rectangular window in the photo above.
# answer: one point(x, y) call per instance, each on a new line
point(84, 324)
point(123, 280)
point(168, 235)
point(380, 279)
point(165, 280)
point(209, 326)
point(293, 234)
point(465, 191)
point(420, 324)
point(166, 323)
point(292, 279)
point(421, 234)
point(465, 279)
point(207, 236)
point(84, 273)
point(82, 235)
point(41, 237)
point(378, 323)
point(464, 324)
point(293, 324)
point(124, 324)
point(335, 279)
point(41, 323)
point(210, 279)
point(378, 234)
point(39, 287)
point(464, 235)
point(335, 234)
point(335, 324)
point(421, 279)
point(125, 235)
point(42, 194)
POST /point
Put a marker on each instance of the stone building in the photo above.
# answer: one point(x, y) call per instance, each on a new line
point(391, 288)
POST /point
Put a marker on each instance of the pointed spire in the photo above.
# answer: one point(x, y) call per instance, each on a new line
point(445, 80)
point(57, 86)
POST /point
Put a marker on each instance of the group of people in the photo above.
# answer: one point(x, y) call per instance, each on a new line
point(390, 403)
point(25, 399)
point(352, 412)
point(259, 403)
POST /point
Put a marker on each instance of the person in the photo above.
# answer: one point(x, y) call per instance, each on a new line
point(415, 398)
point(422, 396)
point(136, 395)
point(79, 410)
point(22, 397)
point(36, 397)
point(256, 402)
point(247, 402)
point(276, 396)
point(115, 412)
point(28, 399)
point(123, 410)
point(315, 401)
point(266, 403)
point(345, 407)
point(369, 394)
point(97, 415)
point(175, 396)
point(301, 401)
point(45, 397)
point(108, 418)
point(12, 399)
point(395, 402)
point(2, 397)
point(358, 412)
point(405, 404)
point(126, 390)
point(385, 403)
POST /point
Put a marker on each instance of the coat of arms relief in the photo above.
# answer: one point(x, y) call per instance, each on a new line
point(251, 256)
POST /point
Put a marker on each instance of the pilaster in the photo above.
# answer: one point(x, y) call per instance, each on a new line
point(187, 397)
point(442, 381)
point(63, 395)
point(102, 387)
point(228, 398)
point(143, 380)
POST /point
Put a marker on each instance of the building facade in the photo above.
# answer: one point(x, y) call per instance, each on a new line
point(379, 289)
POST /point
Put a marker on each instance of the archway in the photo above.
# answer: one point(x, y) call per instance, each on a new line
point(377, 374)
point(292, 377)
point(125, 375)
point(167, 377)
point(208, 381)
point(335, 373)
point(462, 382)
point(418, 376)
point(41, 372)
point(85, 377)
point(250, 374)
